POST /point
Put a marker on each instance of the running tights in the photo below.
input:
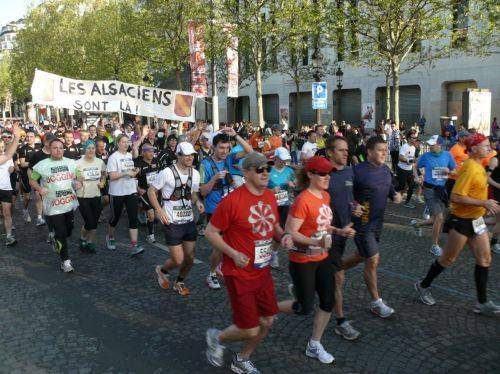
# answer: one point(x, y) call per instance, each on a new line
point(90, 209)
point(116, 204)
point(62, 225)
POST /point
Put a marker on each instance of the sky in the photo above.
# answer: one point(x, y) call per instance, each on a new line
point(12, 10)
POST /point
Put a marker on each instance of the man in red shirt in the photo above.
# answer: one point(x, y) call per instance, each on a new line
point(243, 228)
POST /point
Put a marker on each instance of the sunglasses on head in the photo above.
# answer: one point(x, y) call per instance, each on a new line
point(320, 174)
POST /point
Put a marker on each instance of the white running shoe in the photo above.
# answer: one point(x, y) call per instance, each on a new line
point(436, 250)
point(67, 267)
point(215, 350)
point(26, 216)
point(318, 352)
point(151, 239)
point(416, 229)
point(381, 309)
point(213, 282)
point(40, 221)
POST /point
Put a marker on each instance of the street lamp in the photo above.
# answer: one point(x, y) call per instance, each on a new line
point(317, 64)
point(339, 74)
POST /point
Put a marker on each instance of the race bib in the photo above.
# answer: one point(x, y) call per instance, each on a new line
point(438, 173)
point(91, 174)
point(263, 253)
point(479, 226)
point(282, 198)
point(182, 214)
point(150, 177)
point(126, 165)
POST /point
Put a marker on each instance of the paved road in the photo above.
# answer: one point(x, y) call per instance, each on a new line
point(110, 316)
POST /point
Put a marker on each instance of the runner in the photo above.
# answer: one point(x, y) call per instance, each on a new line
point(343, 207)
point(282, 182)
point(309, 224)
point(179, 185)
point(25, 153)
point(71, 150)
point(216, 183)
point(372, 187)
point(405, 168)
point(458, 151)
point(437, 165)
point(54, 179)
point(123, 192)
point(7, 168)
point(465, 225)
point(148, 170)
point(242, 228)
point(91, 172)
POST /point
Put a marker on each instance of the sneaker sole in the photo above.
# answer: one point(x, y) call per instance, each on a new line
point(212, 288)
point(237, 370)
point(380, 315)
point(137, 253)
point(211, 362)
point(420, 297)
point(160, 281)
point(345, 336)
point(310, 355)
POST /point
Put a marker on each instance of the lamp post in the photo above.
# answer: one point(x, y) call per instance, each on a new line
point(317, 63)
point(339, 74)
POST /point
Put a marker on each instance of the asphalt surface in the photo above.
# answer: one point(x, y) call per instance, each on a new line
point(110, 316)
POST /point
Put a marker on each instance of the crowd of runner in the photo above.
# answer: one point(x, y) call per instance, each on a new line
point(252, 192)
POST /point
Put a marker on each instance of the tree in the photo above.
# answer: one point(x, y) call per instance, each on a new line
point(408, 33)
point(5, 81)
point(262, 28)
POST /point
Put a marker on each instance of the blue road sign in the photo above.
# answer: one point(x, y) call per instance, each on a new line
point(319, 95)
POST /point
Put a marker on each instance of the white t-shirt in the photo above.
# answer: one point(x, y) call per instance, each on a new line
point(309, 149)
point(121, 163)
point(5, 175)
point(89, 173)
point(408, 152)
point(179, 211)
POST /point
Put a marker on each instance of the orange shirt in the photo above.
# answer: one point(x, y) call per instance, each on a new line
point(317, 216)
point(459, 155)
point(472, 182)
point(255, 139)
point(485, 161)
point(275, 142)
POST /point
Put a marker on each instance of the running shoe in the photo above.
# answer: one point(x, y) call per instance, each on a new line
point(488, 309)
point(10, 240)
point(181, 288)
point(83, 245)
point(426, 215)
point(424, 294)
point(318, 352)
point(215, 350)
point(163, 279)
point(91, 248)
point(151, 239)
point(381, 309)
point(416, 229)
point(243, 366)
point(136, 249)
point(275, 261)
point(40, 221)
point(346, 330)
point(66, 266)
point(26, 216)
point(496, 249)
point(110, 243)
point(436, 250)
point(409, 206)
point(50, 237)
point(213, 282)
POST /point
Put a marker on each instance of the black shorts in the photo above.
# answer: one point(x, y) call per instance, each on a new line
point(146, 204)
point(367, 243)
point(24, 182)
point(461, 225)
point(105, 190)
point(6, 196)
point(177, 234)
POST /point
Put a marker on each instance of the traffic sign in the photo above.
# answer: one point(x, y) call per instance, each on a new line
point(319, 95)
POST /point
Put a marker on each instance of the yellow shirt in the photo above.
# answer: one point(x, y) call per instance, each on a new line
point(320, 142)
point(472, 181)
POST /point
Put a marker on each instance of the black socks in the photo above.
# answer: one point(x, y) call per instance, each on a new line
point(481, 277)
point(433, 272)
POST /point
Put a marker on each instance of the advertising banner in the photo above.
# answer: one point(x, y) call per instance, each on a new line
point(368, 115)
point(112, 96)
point(232, 67)
point(197, 60)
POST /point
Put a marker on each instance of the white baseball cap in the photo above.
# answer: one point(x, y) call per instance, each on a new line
point(433, 140)
point(282, 153)
point(185, 149)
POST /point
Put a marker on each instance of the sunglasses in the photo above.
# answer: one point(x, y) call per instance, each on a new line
point(320, 174)
point(261, 169)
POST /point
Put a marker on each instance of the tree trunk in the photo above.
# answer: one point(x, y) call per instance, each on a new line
point(258, 93)
point(388, 96)
point(395, 83)
point(297, 103)
point(178, 78)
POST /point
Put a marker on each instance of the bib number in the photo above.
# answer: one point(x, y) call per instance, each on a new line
point(438, 173)
point(91, 174)
point(479, 226)
point(282, 198)
point(150, 177)
point(182, 214)
point(263, 253)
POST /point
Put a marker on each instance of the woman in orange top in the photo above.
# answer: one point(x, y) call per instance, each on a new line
point(465, 225)
point(309, 223)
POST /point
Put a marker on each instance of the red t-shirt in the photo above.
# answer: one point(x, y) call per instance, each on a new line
point(317, 216)
point(247, 223)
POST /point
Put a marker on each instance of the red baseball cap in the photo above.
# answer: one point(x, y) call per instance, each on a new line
point(318, 164)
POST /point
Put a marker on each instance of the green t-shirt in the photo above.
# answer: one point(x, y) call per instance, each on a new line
point(57, 177)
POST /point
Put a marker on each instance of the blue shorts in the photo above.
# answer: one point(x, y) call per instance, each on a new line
point(367, 243)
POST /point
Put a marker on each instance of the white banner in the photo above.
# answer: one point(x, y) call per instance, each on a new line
point(479, 111)
point(232, 67)
point(368, 115)
point(112, 96)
